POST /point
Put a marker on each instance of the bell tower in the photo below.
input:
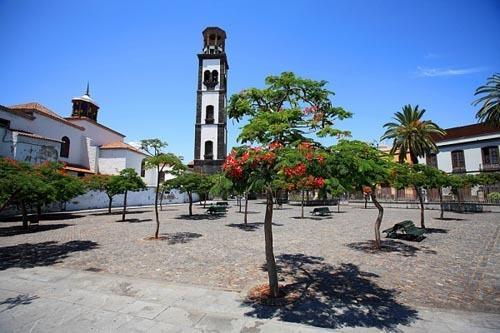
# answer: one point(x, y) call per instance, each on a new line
point(85, 106)
point(210, 146)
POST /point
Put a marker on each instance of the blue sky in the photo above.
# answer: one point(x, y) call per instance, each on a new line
point(140, 57)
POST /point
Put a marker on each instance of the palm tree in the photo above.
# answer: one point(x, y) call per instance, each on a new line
point(412, 136)
point(490, 109)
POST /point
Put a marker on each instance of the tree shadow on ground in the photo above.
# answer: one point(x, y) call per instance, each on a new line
point(119, 212)
point(314, 218)
point(20, 230)
point(180, 237)
point(335, 297)
point(436, 231)
point(248, 212)
point(40, 254)
point(405, 250)
point(448, 219)
point(250, 226)
point(198, 217)
point(21, 299)
point(44, 217)
point(134, 220)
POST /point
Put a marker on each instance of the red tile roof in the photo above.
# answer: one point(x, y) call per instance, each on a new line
point(36, 136)
point(40, 109)
point(121, 145)
point(71, 119)
point(467, 131)
point(77, 168)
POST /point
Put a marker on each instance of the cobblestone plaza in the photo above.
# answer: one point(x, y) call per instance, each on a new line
point(455, 267)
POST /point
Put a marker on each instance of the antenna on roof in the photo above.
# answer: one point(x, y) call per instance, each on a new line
point(88, 89)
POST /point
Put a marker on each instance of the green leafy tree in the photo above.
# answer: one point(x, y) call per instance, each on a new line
point(163, 163)
point(130, 181)
point(206, 184)
point(186, 182)
point(490, 101)
point(221, 185)
point(412, 136)
point(111, 185)
point(360, 166)
point(287, 110)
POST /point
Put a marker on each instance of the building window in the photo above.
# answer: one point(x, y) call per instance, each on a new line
point(209, 150)
point(458, 161)
point(4, 123)
point(490, 155)
point(209, 115)
point(215, 76)
point(143, 168)
point(206, 76)
point(431, 160)
point(64, 147)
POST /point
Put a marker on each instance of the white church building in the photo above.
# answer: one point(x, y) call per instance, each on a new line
point(33, 133)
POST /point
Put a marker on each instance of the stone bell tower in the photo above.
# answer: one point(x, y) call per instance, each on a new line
point(210, 146)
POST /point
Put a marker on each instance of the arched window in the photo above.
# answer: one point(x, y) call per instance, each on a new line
point(209, 150)
point(215, 76)
point(206, 76)
point(209, 115)
point(64, 147)
point(143, 168)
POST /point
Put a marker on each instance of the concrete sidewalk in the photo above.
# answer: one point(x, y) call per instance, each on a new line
point(46, 299)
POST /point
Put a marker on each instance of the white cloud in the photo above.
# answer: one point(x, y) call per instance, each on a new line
point(432, 72)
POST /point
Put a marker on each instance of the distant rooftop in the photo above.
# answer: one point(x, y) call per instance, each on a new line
point(467, 131)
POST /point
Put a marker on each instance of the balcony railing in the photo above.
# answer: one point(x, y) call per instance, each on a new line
point(460, 169)
point(489, 167)
point(209, 156)
point(209, 120)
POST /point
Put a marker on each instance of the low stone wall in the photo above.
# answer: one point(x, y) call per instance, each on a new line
point(96, 200)
point(493, 208)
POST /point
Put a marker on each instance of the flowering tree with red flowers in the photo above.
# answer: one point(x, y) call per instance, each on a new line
point(304, 169)
point(288, 111)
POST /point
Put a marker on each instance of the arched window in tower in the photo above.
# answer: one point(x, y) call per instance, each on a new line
point(209, 114)
point(64, 147)
point(143, 168)
point(215, 76)
point(209, 150)
point(206, 76)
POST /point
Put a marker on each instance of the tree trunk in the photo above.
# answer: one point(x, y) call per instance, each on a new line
point(245, 219)
point(440, 191)
point(110, 203)
point(302, 206)
point(124, 205)
point(38, 213)
point(239, 199)
point(157, 232)
point(268, 235)
point(421, 200)
point(205, 201)
point(190, 195)
point(366, 201)
point(338, 206)
point(25, 215)
point(161, 200)
point(378, 222)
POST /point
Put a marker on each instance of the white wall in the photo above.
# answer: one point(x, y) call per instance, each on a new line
point(34, 150)
point(98, 134)
point(208, 133)
point(210, 64)
point(112, 161)
point(94, 199)
point(53, 129)
point(210, 98)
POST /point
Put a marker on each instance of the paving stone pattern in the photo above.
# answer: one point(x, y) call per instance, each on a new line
point(456, 266)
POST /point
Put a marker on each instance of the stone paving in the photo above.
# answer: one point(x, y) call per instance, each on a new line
point(50, 299)
point(456, 267)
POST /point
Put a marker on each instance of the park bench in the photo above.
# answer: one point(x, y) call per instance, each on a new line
point(321, 211)
point(407, 228)
point(222, 204)
point(214, 209)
